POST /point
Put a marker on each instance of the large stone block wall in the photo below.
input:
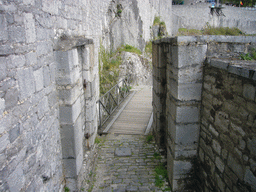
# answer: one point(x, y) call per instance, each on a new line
point(49, 92)
point(34, 100)
point(228, 127)
point(180, 61)
point(159, 94)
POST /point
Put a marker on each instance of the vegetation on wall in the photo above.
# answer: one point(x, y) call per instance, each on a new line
point(109, 66)
point(249, 56)
point(108, 69)
point(148, 48)
point(128, 48)
point(162, 26)
point(208, 30)
point(119, 8)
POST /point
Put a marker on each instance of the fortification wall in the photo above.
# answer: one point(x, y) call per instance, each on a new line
point(31, 142)
point(198, 16)
point(49, 85)
point(227, 137)
point(180, 120)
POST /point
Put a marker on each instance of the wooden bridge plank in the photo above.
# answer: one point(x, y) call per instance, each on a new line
point(135, 116)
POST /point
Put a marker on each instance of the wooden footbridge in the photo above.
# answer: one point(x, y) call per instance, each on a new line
point(134, 115)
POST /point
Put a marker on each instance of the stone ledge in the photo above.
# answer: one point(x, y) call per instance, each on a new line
point(242, 68)
point(185, 40)
point(65, 43)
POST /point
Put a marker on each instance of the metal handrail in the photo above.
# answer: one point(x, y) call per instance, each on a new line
point(112, 99)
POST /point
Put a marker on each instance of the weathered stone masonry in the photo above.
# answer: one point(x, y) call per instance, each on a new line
point(49, 85)
point(196, 124)
point(228, 126)
point(43, 103)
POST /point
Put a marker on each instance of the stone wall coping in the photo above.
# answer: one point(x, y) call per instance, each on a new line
point(65, 43)
point(242, 68)
point(184, 40)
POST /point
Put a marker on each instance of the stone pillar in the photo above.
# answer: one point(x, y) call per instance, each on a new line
point(71, 112)
point(77, 99)
point(159, 94)
point(184, 85)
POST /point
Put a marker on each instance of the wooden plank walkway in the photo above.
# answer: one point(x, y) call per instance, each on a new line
point(135, 117)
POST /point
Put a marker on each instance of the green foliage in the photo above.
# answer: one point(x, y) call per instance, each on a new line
point(109, 66)
point(108, 69)
point(160, 176)
point(208, 30)
point(157, 156)
point(148, 47)
point(189, 32)
point(129, 48)
point(249, 56)
point(66, 189)
point(254, 54)
point(246, 56)
point(162, 26)
point(97, 140)
point(222, 31)
point(156, 20)
point(149, 138)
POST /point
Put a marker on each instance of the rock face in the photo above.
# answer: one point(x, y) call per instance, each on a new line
point(129, 22)
point(137, 67)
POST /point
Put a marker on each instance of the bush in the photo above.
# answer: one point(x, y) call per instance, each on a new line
point(156, 20)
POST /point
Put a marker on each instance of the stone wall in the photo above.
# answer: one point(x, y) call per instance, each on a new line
point(228, 127)
point(178, 65)
point(198, 16)
point(40, 92)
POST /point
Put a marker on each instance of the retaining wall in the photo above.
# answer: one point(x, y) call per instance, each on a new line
point(228, 126)
point(198, 16)
point(178, 65)
point(40, 93)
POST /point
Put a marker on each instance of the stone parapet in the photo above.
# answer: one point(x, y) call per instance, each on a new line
point(227, 137)
point(189, 85)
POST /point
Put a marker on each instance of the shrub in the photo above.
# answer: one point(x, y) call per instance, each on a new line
point(156, 20)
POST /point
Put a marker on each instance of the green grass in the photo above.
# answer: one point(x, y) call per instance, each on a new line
point(66, 189)
point(129, 48)
point(148, 47)
point(157, 156)
point(162, 25)
point(108, 69)
point(149, 138)
point(109, 63)
point(249, 56)
point(157, 20)
point(189, 32)
point(222, 31)
point(160, 176)
point(208, 30)
point(97, 140)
